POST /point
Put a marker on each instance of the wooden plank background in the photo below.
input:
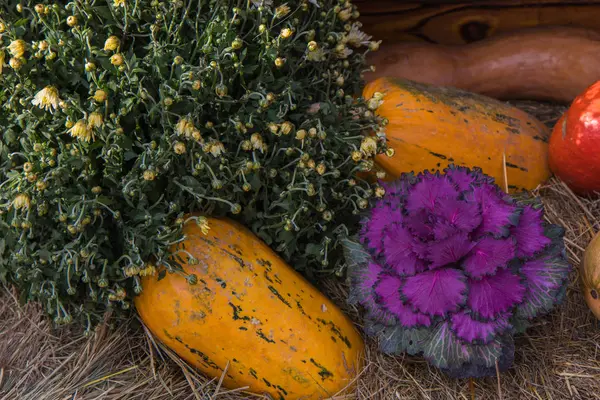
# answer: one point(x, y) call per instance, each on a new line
point(459, 22)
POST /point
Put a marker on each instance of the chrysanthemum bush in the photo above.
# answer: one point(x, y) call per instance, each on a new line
point(450, 267)
point(119, 117)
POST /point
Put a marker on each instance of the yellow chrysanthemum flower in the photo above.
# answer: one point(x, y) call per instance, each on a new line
point(17, 48)
point(184, 127)
point(47, 99)
point(119, 3)
point(82, 131)
point(95, 120)
point(21, 201)
point(368, 146)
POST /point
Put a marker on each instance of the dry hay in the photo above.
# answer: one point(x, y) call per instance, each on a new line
point(556, 359)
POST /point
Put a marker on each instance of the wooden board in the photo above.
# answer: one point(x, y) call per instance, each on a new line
point(452, 22)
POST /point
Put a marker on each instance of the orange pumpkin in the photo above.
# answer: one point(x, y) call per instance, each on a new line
point(279, 334)
point(431, 127)
point(590, 275)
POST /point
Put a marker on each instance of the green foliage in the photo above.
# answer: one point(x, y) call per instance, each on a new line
point(121, 117)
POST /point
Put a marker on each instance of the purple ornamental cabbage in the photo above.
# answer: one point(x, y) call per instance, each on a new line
point(450, 267)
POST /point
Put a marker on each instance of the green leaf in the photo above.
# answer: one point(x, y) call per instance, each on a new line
point(397, 340)
point(443, 349)
point(357, 258)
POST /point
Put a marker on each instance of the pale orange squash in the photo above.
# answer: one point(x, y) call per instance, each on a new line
point(590, 275)
point(431, 127)
point(251, 310)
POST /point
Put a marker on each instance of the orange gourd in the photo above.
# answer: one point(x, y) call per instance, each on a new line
point(431, 127)
point(279, 334)
point(590, 275)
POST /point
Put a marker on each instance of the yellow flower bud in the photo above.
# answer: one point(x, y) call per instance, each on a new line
point(179, 148)
point(279, 62)
point(15, 64)
point(286, 33)
point(117, 59)
point(286, 127)
point(100, 96)
point(149, 175)
point(112, 43)
point(72, 21)
point(17, 48)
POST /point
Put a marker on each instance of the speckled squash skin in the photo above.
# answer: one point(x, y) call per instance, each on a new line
point(251, 310)
point(431, 127)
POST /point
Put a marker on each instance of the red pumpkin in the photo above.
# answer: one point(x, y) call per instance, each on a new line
point(574, 149)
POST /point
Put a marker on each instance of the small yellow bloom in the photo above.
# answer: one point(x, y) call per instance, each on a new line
point(21, 201)
point(39, 8)
point(17, 48)
point(312, 45)
point(41, 185)
point(286, 33)
point(301, 134)
point(286, 128)
point(82, 131)
point(282, 11)
point(196, 85)
point(2, 57)
point(2, 27)
point(256, 141)
point(100, 96)
point(368, 146)
point(345, 14)
point(196, 135)
point(149, 270)
point(379, 191)
point(90, 66)
point(43, 45)
point(321, 168)
point(279, 62)
point(47, 98)
point(149, 175)
point(179, 148)
point(15, 63)
point(274, 128)
point(119, 3)
point(184, 127)
point(356, 156)
point(216, 149)
point(117, 59)
point(95, 120)
point(203, 224)
point(112, 43)
point(381, 174)
point(72, 21)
